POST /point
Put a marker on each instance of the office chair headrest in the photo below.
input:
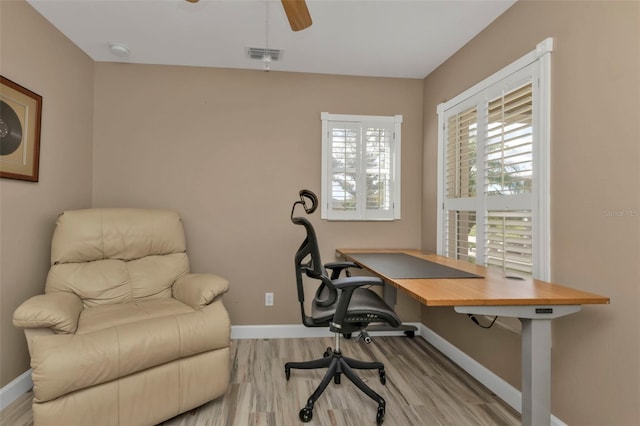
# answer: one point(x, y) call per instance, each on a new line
point(306, 196)
point(305, 193)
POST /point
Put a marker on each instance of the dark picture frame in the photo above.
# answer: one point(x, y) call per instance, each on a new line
point(20, 117)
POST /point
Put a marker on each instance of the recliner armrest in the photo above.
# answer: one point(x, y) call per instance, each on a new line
point(358, 281)
point(199, 290)
point(58, 311)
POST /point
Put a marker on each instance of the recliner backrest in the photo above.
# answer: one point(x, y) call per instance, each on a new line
point(108, 256)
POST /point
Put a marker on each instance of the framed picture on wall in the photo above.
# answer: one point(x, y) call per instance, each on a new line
point(20, 111)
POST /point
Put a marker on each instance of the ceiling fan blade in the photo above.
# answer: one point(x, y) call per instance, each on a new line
point(297, 13)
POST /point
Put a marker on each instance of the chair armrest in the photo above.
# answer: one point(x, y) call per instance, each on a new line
point(348, 286)
point(353, 282)
point(59, 311)
point(198, 290)
point(338, 267)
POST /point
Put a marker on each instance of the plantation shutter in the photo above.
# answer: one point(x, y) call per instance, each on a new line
point(508, 163)
point(493, 169)
point(460, 184)
point(509, 146)
point(378, 164)
point(461, 235)
point(461, 154)
point(361, 176)
point(508, 241)
point(344, 142)
point(488, 203)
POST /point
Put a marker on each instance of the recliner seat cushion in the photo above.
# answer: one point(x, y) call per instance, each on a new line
point(106, 316)
point(65, 363)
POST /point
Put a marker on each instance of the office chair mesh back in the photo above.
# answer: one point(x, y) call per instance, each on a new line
point(309, 263)
point(363, 307)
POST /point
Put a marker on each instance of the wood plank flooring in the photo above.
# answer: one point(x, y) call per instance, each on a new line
point(423, 388)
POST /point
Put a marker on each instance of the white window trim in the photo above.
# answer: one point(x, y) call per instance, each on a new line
point(396, 120)
point(542, 238)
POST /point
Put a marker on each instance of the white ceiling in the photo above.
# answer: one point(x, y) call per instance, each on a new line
point(387, 38)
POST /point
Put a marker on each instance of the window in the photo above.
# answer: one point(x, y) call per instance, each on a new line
point(360, 167)
point(493, 179)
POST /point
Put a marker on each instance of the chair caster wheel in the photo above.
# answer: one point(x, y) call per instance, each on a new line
point(383, 376)
point(410, 333)
point(328, 352)
point(380, 416)
point(306, 414)
point(287, 373)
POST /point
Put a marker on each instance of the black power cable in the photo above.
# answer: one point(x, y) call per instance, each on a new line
point(475, 320)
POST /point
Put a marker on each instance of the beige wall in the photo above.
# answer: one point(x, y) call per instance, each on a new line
point(230, 149)
point(39, 57)
point(595, 172)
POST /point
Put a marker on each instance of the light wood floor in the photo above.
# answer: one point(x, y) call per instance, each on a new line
point(423, 388)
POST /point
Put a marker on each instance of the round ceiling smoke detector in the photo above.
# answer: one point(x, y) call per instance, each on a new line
point(119, 49)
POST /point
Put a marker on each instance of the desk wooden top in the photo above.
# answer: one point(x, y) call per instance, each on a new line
point(493, 289)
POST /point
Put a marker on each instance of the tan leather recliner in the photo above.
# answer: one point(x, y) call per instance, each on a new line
point(124, 333)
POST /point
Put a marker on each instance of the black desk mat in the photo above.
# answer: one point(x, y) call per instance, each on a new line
point(401, 265)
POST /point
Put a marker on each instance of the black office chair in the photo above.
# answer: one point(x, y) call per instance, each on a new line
point(343, 305)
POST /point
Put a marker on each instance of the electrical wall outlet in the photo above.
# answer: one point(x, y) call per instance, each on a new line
point(268, 299)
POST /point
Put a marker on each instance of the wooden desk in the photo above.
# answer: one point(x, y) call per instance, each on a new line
point(534, 302)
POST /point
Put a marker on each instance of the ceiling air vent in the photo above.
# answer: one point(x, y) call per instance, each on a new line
point(262, 53)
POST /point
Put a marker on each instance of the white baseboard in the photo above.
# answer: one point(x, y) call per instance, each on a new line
point(14, 390)
point(497, 385)
point(291, 331)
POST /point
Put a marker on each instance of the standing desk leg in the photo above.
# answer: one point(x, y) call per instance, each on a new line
point(536, 353)
point(536, 371)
